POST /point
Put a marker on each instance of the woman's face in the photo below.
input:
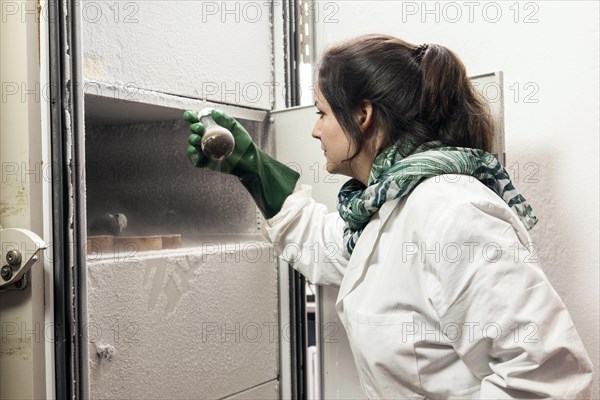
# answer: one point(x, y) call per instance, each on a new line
point(334, 141)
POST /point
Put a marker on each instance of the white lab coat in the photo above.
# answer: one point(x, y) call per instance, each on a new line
point(441, 298)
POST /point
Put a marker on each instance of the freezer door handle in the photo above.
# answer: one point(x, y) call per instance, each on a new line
point(20, 250)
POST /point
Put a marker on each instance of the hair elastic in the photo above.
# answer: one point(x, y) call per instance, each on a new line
point(419, 52)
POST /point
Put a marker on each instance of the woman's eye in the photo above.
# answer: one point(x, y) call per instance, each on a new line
point(321, 113)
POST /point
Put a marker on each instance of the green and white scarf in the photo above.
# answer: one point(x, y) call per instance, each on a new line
point(393, 176)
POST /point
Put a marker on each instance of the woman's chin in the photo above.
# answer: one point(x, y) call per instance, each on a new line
point(331, 167)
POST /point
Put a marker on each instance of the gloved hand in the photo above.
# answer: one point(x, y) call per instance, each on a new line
point(268, 181)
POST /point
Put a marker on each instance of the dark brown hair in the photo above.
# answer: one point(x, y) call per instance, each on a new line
point(416, 95)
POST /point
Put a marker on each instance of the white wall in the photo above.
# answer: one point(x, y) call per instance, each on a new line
point(551, 136)
point(20, 110)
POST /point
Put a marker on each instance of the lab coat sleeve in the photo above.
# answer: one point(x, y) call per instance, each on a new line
point(498, 309)
point(309, 238)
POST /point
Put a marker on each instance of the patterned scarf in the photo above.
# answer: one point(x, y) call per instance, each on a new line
point(393, 176)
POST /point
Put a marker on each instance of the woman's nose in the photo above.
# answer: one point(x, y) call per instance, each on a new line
point(316, 132)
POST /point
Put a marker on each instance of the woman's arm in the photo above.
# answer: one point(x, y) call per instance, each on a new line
point(310, 238)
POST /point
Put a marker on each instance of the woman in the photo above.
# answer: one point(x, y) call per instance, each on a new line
point(439, 294)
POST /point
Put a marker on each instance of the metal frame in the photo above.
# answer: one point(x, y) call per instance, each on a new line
point(292, 53)
point(66, 126)
point(297, 282)
point(497, 111)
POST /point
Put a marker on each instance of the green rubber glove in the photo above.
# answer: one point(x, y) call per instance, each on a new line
point(268, 181)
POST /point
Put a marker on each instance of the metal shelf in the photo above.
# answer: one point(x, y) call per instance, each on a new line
point(128, 104)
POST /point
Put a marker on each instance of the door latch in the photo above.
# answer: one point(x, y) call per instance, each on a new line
point(20, 250)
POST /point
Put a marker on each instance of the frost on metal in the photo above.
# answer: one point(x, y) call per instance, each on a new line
point(105, 352)
point(189, 323)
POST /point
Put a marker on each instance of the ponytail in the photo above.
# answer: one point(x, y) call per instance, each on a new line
point(449, 104)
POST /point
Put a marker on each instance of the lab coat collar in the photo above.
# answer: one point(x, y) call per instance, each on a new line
point(363, 252)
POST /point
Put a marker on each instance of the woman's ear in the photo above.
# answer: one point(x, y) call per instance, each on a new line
point(365, 115)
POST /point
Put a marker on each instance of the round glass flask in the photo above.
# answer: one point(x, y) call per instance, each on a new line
point(217, 142)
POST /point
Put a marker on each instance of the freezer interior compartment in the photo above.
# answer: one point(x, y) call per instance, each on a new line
point(136, 164)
